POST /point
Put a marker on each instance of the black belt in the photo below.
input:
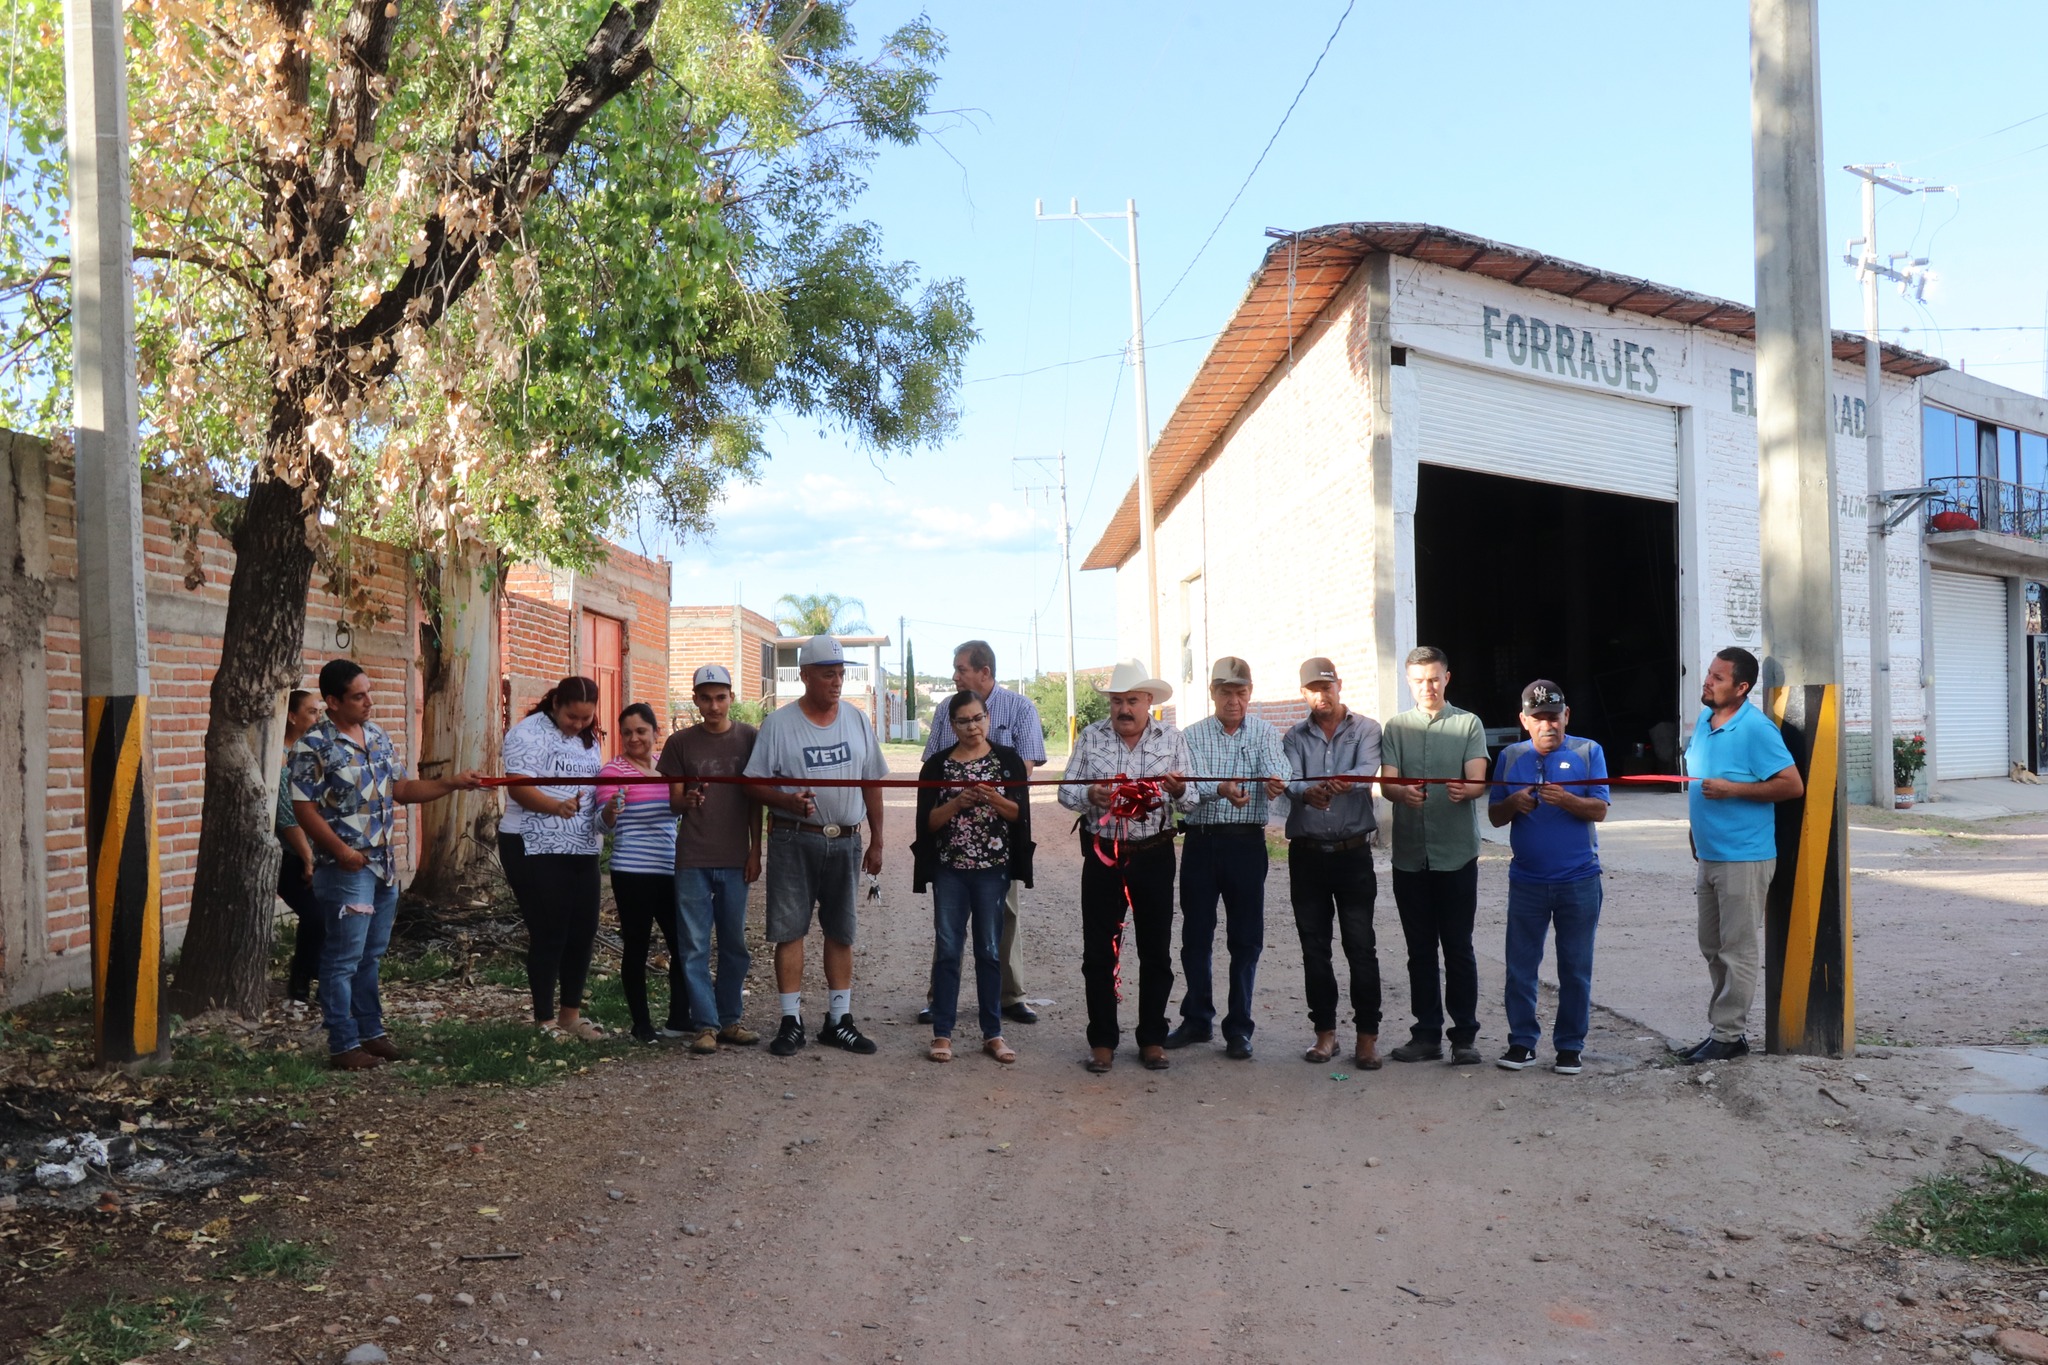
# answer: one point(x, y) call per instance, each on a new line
point(1340, 846)
point(1242, 831)
point(829, 831)
point(1126, 847)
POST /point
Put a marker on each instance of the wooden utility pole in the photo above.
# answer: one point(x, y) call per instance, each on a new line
point(120, 821)
point(1809, 987)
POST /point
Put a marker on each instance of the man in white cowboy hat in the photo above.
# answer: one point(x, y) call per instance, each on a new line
point(814, 843)
point(1127, 859)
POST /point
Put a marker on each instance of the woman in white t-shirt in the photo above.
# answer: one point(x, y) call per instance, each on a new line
point(548, 844)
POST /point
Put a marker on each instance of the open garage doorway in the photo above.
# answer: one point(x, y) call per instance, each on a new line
point(1516, 580)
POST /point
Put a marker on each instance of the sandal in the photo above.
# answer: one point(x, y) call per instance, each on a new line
point(1000, 1050)
point(587, 1031)
point(1321, 1052)
point(551, 1030)
point(941, 1050)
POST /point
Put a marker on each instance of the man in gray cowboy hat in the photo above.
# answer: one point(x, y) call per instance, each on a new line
point(1127, 858)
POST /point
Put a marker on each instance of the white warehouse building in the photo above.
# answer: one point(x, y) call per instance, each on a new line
point(1407, 435)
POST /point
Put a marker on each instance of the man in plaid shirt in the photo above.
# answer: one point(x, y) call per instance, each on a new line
point(1226, 857)
point(1127, 859)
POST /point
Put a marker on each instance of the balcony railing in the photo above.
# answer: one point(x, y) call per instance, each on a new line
point(2009, 509)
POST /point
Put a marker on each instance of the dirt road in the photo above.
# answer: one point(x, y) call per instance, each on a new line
point(840, 1208)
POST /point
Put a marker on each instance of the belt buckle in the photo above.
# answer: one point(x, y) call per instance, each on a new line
point(831, 831)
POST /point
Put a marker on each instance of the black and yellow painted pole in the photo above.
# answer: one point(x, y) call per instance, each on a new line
point(120, 834)
point(1807, 968)
point(1809, 983)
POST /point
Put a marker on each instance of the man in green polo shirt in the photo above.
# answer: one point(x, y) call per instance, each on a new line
point(1436, 857)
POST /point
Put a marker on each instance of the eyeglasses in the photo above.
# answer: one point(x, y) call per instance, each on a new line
point(981, 719)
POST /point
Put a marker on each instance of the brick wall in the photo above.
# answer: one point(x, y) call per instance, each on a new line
point(184, 642)
point(538, 622)
point(701, 635)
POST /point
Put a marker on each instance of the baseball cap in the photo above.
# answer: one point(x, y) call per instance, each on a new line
point(821, 649)
point(1231, 669)
point(1317, 670)
point(1541, 696)
point(711, 673)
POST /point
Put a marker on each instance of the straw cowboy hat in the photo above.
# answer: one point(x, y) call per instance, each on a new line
point(1129, 676)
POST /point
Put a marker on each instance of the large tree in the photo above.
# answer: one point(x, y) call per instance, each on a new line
point(479, 278)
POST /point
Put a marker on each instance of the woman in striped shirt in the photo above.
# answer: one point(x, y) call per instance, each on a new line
point(643, 869)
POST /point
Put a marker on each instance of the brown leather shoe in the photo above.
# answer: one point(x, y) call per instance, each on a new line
point(355, 1059)
point(1099, 1059)
point(1366, 1057)
point(1154, 1058)
point(382, 1046)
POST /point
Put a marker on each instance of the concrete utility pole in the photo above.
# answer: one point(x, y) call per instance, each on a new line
point(120, 822)
point(1871, 269)
point(1810, 1005)
point(1130, 258)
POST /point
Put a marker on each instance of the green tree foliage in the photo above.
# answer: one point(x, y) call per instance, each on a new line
point(819, 613)
point(1048, 692)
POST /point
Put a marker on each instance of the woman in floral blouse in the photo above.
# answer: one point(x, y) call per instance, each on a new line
point(548, 844)
point(972, 841)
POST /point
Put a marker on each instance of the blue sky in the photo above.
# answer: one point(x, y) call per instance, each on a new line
point(1615, 137)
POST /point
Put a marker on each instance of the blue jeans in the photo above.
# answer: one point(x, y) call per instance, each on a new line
point(1574, 907)
point(1230, 867)
point(958, 899)
point(349, 1003)
point(713, 899)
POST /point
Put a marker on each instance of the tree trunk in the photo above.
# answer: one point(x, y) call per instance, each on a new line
point(459, 717)
point(226, 957)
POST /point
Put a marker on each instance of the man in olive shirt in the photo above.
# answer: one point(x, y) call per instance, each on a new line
point(1436, 857)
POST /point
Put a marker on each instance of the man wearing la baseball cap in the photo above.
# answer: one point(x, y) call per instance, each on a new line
point(718, 855)
point(1551, 788)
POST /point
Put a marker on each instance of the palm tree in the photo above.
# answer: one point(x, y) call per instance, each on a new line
point(818, 613)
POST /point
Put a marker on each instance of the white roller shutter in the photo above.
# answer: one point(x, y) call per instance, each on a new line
point(1550, 433)
point(1972, 676)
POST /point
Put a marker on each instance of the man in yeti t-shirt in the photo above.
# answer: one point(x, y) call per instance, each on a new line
point(814, 840)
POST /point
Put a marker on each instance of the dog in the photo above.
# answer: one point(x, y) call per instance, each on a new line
point(2019, 773)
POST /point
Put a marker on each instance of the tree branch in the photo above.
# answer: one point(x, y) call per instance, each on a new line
point(613, 59)
point(361, 61)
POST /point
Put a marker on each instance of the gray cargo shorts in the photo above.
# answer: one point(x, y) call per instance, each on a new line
point(806, 869)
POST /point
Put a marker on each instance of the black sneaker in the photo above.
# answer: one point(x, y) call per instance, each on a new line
point(1416, 1050)
point(1718, 1051)
point(924, 1016)
point(1466, 1054)
point(1567, 1064)
point(643, 1033)
point(840, 1032)
point(1186, 1035)
point(1238, 1049)
point(789, 1039)
point(1517, 1058)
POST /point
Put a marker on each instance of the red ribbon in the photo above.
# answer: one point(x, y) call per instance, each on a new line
point(1148, 784)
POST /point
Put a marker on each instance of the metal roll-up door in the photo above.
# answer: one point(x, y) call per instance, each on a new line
point(1550, 433)
point(1972, 676)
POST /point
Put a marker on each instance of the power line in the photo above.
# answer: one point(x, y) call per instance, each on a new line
point(1081, 517)
point(1227, 208)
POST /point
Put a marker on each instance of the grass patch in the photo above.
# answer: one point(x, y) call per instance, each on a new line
point(502, 971)
point(2031, 1037)
point(1999, 1213)
point(17, 1036)
point(120, 1329)
point(280, 1258)
point(427, 966)
point(1883, 1040)
point(226, 1068)
point(508, 1052)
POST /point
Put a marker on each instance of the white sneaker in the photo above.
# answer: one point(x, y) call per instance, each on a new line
point(664, 1031)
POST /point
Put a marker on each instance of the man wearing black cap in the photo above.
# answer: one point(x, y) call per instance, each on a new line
point(1551, 790)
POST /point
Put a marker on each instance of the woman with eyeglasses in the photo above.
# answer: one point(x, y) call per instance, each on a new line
point(973, 840)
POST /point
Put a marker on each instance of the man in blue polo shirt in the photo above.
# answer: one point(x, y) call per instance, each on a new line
point(1551, 790)
point(1744, 769)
